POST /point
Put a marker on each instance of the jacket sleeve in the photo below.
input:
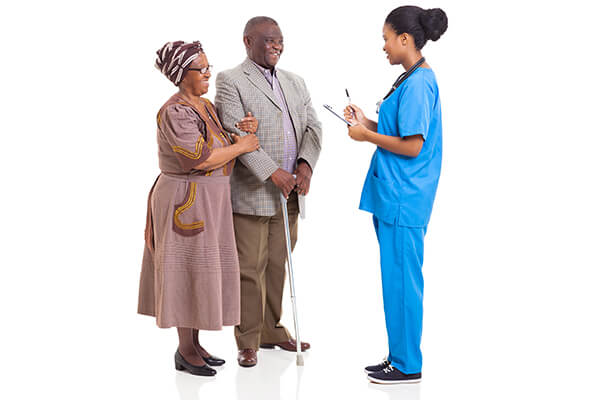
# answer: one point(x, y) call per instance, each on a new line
point(230, 110)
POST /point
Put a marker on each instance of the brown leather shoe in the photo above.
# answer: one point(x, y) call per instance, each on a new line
point(290, 345)
point(247, 358)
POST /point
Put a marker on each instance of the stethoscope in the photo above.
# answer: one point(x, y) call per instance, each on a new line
point(404, 76)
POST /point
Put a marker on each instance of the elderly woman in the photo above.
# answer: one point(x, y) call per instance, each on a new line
point(190, 273)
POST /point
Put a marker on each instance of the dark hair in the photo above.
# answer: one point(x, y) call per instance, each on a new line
point(252, 22)
point(422, 25)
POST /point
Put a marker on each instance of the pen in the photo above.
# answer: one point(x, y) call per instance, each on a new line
point(350, 102)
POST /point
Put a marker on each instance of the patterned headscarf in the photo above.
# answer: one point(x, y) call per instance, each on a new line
point(174, 59)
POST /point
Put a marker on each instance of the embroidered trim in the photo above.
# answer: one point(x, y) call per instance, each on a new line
point(216, 121)
point(211, 120)
point(181, 209)
point(209, 109)
point(199, 144)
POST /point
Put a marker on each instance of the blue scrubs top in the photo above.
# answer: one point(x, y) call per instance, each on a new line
point(398, 189)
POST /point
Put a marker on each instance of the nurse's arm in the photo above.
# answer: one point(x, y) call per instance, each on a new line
point(409, 146)
point(370, 124)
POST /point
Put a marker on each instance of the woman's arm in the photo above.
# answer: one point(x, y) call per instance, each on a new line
point(221, 156)
point(370, 124)
point(409, 146)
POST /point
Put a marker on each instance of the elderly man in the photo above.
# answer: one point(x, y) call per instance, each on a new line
point(290, 139)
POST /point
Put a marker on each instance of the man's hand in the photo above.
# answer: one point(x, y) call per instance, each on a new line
point(284, 181)
point(303, 174)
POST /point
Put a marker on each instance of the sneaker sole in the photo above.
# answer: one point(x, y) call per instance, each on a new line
point(384, 382)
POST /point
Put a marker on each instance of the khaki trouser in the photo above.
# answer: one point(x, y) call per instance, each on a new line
point(262, 253)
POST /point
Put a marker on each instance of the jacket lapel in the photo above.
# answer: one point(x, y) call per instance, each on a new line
point(258, 80)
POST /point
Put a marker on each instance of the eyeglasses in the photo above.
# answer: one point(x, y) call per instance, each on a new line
point(202, 70)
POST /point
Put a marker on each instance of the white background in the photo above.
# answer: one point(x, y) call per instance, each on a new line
point(511, 256)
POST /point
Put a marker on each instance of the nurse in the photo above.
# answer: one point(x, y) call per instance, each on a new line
point(401, 183)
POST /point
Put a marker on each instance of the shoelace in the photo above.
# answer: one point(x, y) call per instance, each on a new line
point(388, 370)
point(384, 363)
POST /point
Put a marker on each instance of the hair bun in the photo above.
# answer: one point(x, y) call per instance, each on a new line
point(434, 23)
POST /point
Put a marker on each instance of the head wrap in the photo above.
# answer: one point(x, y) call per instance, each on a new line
point(175, 58)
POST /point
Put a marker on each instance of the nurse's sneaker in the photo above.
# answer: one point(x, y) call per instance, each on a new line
point(391, 375)
point(376, 368)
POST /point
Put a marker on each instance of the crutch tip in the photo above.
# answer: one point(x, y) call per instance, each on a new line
point(299, 360)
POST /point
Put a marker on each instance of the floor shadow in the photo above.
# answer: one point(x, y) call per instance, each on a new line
point(406, 391)
point(188, 386)
point(264, 380)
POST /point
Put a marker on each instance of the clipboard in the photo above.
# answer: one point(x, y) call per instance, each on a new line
point(328, 108)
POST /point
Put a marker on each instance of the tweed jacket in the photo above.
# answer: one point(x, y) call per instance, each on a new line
point(242, 89)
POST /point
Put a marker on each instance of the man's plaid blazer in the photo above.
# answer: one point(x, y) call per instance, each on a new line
point(242, 89)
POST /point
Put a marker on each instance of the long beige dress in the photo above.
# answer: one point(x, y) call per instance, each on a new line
point(190, 272)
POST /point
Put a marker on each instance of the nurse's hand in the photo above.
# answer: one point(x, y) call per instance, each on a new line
point(358, 131)
point(358, 114)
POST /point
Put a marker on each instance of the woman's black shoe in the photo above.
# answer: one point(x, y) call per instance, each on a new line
point(379, 367)
point(182, 365)
point(213, 361)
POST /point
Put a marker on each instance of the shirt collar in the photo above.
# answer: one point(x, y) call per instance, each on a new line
point(265, 71)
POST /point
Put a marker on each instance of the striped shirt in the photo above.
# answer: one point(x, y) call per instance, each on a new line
point(290, 148)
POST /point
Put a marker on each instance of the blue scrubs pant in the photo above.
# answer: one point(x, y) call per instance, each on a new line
point(401, 254)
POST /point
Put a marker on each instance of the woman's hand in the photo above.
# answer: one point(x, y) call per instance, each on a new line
point(247, 124)
point(353, 113)
point(358, 131)
point(247, 143)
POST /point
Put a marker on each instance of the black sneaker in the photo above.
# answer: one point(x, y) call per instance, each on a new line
point(379, 367)
point(391, 375)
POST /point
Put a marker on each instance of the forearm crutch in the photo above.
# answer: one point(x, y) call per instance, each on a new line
point(288, 243)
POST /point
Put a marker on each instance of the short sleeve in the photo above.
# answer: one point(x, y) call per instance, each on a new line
point(186, 134)
point(415, 106)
